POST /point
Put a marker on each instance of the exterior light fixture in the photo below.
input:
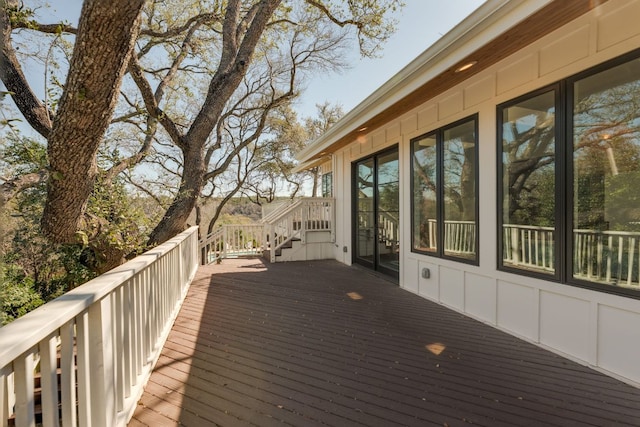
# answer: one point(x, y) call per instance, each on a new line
point(465, 66)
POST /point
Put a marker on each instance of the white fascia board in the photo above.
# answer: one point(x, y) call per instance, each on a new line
point(491, 19)
point(309, 164)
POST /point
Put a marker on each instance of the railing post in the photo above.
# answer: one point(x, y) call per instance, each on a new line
point(225, 239)
point(304, 217)
point(332, 219)
point(68, 395)
point(24, 388)
point(101, 375)
point(49, 383)
point(515, 246)
point(4, 396)
point(272, 243)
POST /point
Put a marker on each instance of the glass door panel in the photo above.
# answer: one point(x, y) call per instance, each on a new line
point(376, 231)
point(365, 216)
point(388, 213)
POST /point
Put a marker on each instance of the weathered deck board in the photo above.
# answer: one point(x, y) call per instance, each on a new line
point(319, 343)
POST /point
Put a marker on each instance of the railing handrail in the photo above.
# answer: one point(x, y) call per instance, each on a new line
point(608, 232)
point(283, 206)
point(216, 233)
point(529, 227)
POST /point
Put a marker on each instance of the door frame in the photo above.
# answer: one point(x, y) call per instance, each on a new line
point(374, 265)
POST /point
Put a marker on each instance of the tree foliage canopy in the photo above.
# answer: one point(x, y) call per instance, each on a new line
point(145, 107)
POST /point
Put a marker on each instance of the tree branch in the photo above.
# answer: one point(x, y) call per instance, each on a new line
point(150, 101)
point(33, 110)
point(9, 189)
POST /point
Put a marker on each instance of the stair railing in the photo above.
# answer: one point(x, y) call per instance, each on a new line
point(212, 247)
point(232, 240)
point(293, 221)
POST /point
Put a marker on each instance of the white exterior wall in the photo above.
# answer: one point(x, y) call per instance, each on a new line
point(594, 328)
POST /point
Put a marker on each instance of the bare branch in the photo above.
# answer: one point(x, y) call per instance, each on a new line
point(149, 98)
point(152, 126)
point(34, 111)
point(9, 189)
point(47, 28)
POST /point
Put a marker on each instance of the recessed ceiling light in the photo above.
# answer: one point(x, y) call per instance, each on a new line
point(466, 66)
point(362, 129)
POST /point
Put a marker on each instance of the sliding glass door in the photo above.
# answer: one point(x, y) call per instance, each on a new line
point(376, 208)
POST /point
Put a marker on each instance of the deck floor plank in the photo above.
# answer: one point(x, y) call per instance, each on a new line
point(319, 343)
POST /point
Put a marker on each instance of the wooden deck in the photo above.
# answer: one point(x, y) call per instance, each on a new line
point(320, 343)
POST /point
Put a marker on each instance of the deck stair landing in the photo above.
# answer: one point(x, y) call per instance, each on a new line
point(320, 343)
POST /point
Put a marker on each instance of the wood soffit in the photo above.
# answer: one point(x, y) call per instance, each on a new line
point(536, 26)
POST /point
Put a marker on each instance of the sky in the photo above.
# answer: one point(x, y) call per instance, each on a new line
point(421, 23)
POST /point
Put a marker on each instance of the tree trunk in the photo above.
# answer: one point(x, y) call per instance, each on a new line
point(106, 34)
point(175, 219)
point(237, 51)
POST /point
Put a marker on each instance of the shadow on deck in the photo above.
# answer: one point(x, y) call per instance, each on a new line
point(320, 343)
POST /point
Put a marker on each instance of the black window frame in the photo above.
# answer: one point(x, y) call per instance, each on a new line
point(560, 179)
point(564, 191)
point(440, 197)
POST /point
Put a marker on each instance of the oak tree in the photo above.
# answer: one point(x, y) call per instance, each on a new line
point(177, 79)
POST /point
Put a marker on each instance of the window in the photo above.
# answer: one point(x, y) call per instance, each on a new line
point(528, 174)
point(327, 184)
point(445, 187)
point(568, 185)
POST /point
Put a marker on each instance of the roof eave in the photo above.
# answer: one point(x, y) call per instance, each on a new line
point(491, 19)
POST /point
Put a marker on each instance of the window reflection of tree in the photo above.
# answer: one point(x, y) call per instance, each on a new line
point(424, 175)
point(607, 153)
point(529, 156)
point(459, 169)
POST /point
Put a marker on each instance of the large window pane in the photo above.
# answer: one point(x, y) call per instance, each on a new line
point(606, 176)
point(424, 215)
point(459, 166)
point(529, 184)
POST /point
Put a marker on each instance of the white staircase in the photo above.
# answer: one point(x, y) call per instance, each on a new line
point(297, 231)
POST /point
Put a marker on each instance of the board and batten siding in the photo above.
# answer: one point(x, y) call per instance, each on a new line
point(595, 328)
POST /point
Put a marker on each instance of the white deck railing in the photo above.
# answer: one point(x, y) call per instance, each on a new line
point(529, 246)
point(107, 334)
point(232, 241)
point(607, 256)
point(611, 257)
point(459, 236)
point(388, 229)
